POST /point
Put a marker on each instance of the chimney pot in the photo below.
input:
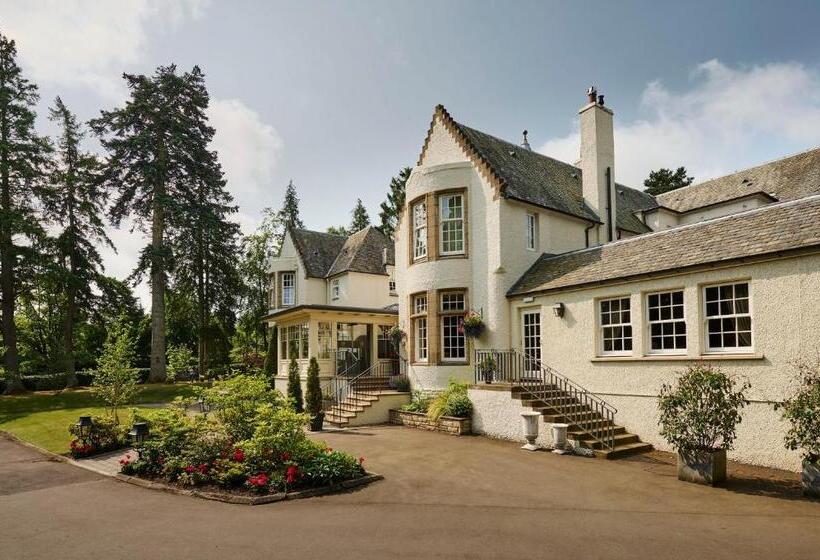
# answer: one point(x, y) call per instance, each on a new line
point(591, 94)
point(601, 100)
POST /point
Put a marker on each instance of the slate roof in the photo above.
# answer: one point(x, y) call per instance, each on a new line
point(775, 228)
point(785, 179)
point(537, 179)
point(364, 252)
point(326, 255)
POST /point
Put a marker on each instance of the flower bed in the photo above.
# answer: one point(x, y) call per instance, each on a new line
point(253, 444)
point(105, 435)
point(446, 424)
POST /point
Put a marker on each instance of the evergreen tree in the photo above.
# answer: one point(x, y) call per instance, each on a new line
point(338, 230)
point(206, 243)
point(391, 207)
point(360, 218)
point(313, 395)
point(271, 365)
point(295, 386)
point(77, 206)
point(665, 180)
point(154, 144)
point(277, 222)
point(23, 163)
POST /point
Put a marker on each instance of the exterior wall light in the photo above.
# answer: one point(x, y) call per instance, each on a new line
point(84, 426)
point(558, 310)
point(139, 432)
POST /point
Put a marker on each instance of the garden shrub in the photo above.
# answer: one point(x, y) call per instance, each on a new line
point(702, 412)
point(313, 396)
point(419, 402)
point(400, 383)
point(115, 381)
point(179, 363)
point(802, 411)
point(235, 401)
point(106, 435)
point(453, 401)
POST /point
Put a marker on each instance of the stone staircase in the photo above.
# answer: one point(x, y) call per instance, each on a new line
point(586, 426)
point(360, 402)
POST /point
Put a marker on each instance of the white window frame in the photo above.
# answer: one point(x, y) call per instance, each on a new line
point(335, 289)
point(391, 286)
point(531, 231)
point(445, 219)
point(731, 316)
point(324, 337)
point(288, 290)
point(603, 326)
point(531, 339)
point(672, 320)
point(421, 332)
point(419, 222)
point(452, 306)
point(419, 304)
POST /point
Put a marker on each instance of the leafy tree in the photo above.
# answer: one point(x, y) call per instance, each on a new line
point(115, 380)
point(272, 356)
point(23, 162)
point(360, 218)
point(665, 180)
point(338, 230)
point(253, 295)
point(77, 206)
point(313, 396)
point(391, 207)
point(295, 386)
point(179, 361)
point(154, 144)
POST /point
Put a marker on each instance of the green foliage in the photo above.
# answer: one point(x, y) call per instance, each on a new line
point(419, 402)
point(665, 180)
point(236, 401)
point(400, 383)
point(360, 217)
point(453, 401)
point(802, 411)
point(391, 207)
point(702, 412)
point(313, 397)
point(324, 468)
point(295, 386)
point(115, 381)
point(338, 230)
point(179, 361)
point(271, 365)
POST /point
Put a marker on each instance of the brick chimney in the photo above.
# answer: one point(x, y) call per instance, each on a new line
point(598, 163)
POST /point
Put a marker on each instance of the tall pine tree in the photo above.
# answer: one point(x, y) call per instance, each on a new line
point(360, 217)
point(277, 222)
point(665, 180)
point(23, 164)
point(153, 144)
point(391, 207)
point(78, 207)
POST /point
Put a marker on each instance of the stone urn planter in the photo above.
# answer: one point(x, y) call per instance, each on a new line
point(702, 466)
point(811, 479)
point(530, 428)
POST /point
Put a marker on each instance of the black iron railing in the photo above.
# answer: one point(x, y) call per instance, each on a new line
point(344, 361)
point(583, 409)
point(342, 387)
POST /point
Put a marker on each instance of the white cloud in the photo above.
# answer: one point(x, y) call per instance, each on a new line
point(729, 118)
point(249, 150)
point(88, 43)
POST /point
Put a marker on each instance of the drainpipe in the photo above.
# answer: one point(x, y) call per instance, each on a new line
point(609, 223)
point(586, 233)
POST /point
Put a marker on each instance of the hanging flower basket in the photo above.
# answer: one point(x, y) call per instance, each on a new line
point(472, 325)
point(396, 336)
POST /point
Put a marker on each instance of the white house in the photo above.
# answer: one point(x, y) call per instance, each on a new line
point(604, 289)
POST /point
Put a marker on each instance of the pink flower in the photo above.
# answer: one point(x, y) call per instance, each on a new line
point(189, 469)
point(291, 474)
point(238, 455)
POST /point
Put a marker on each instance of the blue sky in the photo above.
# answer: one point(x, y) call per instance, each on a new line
point(339, 95)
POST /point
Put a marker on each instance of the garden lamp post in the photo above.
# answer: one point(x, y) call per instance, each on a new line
point(84, 425)
point(204, 406)
point(139, 432)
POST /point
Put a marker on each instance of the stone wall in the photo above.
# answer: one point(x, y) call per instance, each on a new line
point(446, 424)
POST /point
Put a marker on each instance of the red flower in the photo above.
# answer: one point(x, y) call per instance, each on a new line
point(361, 461)
point(286, 456)
point(291, 474)
point(189, 469)
point(238, 455)
point(329, 450)
point(203, 468)
point(161, 460)
point(259, 480)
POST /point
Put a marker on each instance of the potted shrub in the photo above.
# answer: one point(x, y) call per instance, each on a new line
point(802, 411)
point(487, 367)
point(699, 418)
point(313, 397)
point(473, 325)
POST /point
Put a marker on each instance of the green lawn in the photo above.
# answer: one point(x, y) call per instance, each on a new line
point(43, 418)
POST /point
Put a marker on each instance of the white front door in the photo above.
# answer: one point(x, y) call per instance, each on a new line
point(531, 339)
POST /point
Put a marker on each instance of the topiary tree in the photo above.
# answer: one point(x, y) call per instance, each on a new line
point(703, 411)
point(115, 380)
point(313, 397)
point(295, 386)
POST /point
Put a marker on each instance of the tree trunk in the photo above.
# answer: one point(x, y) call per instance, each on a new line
point(158, 372)
point(71, 304)
point(14, 384)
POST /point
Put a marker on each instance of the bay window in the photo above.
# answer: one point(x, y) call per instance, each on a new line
point(451, 224)
point(288, 289)
point(453, 342)
point(419, 231)
point(419, 321)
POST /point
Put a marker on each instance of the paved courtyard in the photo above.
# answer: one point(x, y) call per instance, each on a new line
point(443, 497)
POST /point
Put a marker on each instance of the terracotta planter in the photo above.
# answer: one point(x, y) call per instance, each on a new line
point(811, 479)
point(702, 466)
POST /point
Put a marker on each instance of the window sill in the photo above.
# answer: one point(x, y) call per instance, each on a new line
point(678, 358)
point(454, 363)
point(453, 256)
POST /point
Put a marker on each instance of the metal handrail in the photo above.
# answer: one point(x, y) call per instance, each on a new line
point(340, 387)
point(582, 408)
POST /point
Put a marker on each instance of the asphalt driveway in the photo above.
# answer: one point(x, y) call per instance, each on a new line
point(442, 497)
